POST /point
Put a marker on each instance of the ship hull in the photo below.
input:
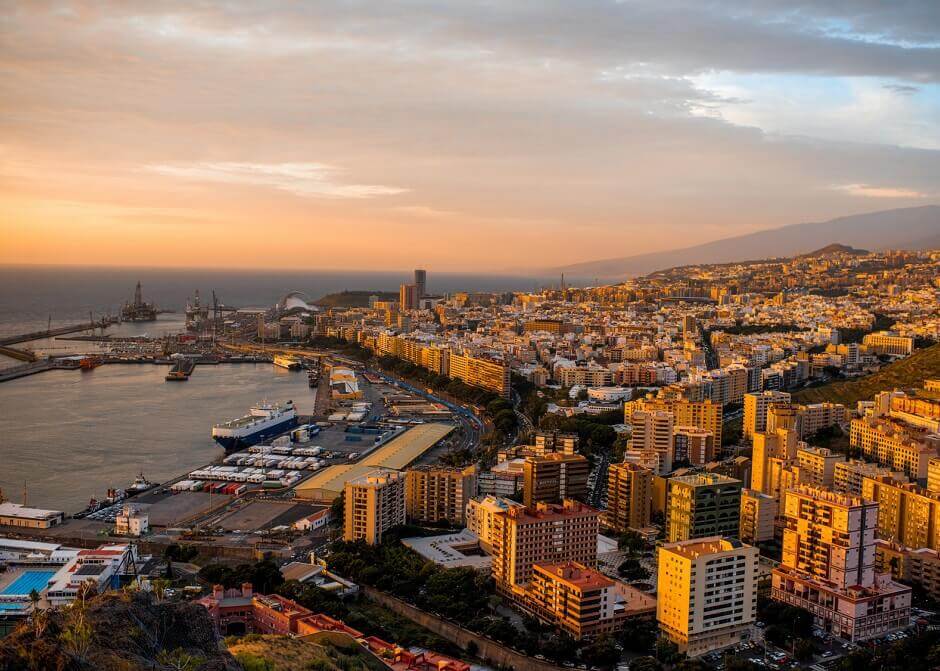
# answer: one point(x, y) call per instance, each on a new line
point(234, 443)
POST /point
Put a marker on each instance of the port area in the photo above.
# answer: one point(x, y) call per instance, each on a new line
point(265, 498)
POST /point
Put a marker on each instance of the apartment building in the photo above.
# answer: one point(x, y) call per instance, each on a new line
point(693, 445)
point(480, 514)
point(554, 477)
point(555, 441)
point(703, 414)
point(545, 533)
point(828, 566)
point(895, 444)
point(581, 601)
point(888, 342)
point(707, 596)
point(479, 371)
point(919, 566)
point(849, 475)
point(375, 503)
point(818, 465)
point(589, 376)
point(780, 444)
point(907, 514)
point(756, 405)
point(653, 433)
point(758, 512)
point(629, 492)
point(435, 493)
point(701, 505)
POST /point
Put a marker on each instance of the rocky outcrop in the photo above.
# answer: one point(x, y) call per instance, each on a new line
point(117, 632)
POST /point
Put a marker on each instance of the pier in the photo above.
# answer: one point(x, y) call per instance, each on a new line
point(62, 330)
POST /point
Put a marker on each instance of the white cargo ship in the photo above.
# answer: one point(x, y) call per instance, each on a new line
point(266, 420)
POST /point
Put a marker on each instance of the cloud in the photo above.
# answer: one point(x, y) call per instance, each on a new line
point(902, 89)
point(308, 180)
point(870, 191)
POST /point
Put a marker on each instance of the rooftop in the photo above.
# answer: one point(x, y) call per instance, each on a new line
point(700, 547)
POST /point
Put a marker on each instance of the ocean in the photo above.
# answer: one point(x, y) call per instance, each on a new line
point(68, 435)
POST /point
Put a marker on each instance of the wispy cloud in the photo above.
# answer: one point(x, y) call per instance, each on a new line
point(308, 180)
point(870, 191)
point(902, 89)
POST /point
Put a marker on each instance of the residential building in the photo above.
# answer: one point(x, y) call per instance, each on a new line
point(894, 443)
point(629, 492)
point(755, 410)
point(703, 414)
point(848, 475)
point(555, 477)
point(702, 505)
point(653, 432)
point(693, 445)
point(479, 371)
point(375, 503)
point(131, 522)
point(480, 515)
point(437, 493)
point(817, 465)
point(707, 596)
point(758, 512)
point(888, 342)
point(907, 514)
point(546, 533)
point(581, 601)
point(828, 566)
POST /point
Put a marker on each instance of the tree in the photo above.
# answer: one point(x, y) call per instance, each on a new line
point(632, 570)
point(601, 652)
point(645, 664)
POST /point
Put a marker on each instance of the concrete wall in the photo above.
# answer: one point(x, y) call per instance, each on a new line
point(490, 651)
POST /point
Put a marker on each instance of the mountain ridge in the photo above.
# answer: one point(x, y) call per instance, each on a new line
point(902, 228)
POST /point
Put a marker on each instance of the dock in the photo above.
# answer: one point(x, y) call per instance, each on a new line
point(62, 330)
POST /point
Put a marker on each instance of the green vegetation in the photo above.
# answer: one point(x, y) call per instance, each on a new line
point(753, 329)
point(283, 653)
point(117, 631)
point(921, 651)
point(354, 299)
point(922, 365)
point(594, 431)
point(264, 576)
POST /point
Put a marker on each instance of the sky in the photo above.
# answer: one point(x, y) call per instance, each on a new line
point(458, 136)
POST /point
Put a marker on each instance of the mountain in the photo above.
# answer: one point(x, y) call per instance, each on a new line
point(907, 228)
point(834, 248)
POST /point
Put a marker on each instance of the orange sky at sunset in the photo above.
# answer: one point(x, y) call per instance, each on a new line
point(356, 136)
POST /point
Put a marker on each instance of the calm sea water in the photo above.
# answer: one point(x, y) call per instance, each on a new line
point(71, 434)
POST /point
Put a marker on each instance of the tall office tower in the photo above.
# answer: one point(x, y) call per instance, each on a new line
point(480, 515)
point(755, 409)
point(702, 505)
point(692, 444)
point(828, 565)
point(555, 441)
point(689, 324)
point(758, 512)
point(421, 283)
point(543, 534)
point(653, 431)
point(707, 596)
point(435, 493)
point(703, 414)
point(629, 492)
point(907, 514)
point(375, 503)
point(554, 478)
point(818, 465)
point(408, 297)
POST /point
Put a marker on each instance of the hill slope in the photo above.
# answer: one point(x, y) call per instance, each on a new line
point(908, 228)
point(923, 364)
point(117, 632)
